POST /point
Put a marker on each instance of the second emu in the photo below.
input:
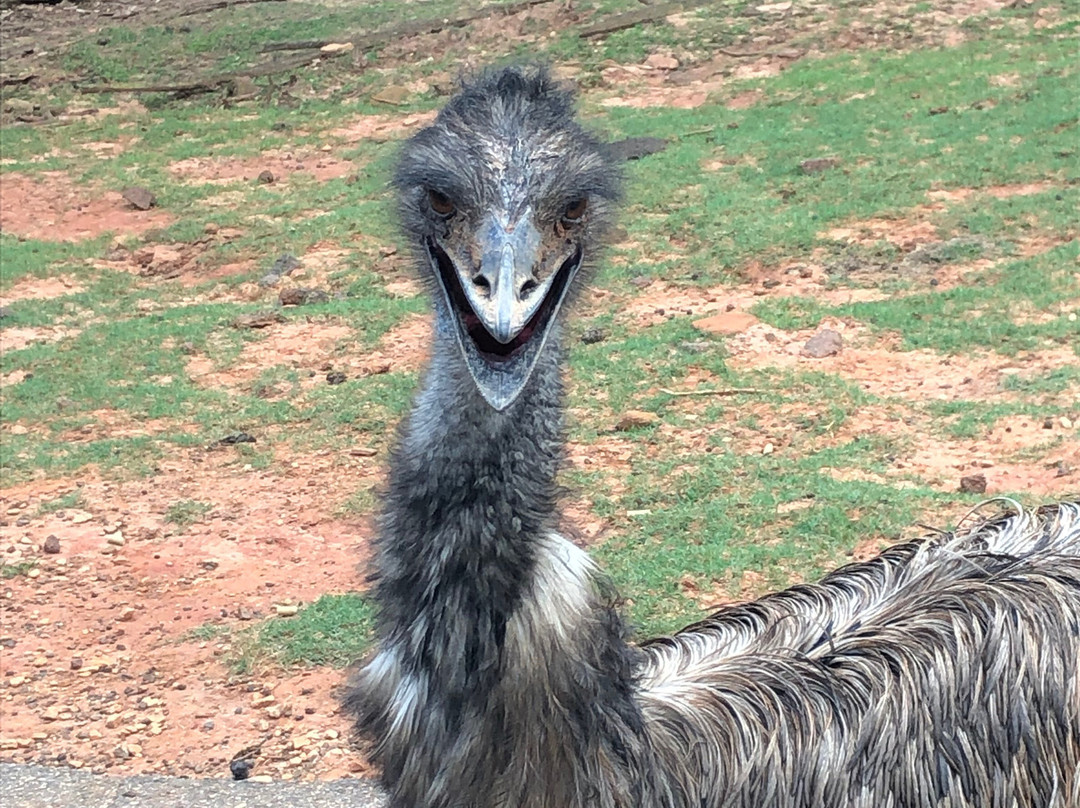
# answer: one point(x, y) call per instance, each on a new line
point(942, 673)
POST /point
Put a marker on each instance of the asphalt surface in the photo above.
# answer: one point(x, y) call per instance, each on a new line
point(28, 786)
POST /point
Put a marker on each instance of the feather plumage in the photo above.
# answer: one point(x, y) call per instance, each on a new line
point(942, 673)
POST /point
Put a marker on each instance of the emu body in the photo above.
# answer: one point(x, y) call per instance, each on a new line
point(943, 673)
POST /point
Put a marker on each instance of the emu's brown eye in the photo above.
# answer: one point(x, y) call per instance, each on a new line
point(440, 203)
point(575, 210)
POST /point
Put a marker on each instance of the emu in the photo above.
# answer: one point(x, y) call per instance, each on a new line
point(942, 673)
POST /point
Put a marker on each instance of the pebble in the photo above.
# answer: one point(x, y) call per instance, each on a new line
point(633, 419)
point(825, 342)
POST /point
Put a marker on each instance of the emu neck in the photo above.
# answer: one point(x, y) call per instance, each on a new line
point(472, 491)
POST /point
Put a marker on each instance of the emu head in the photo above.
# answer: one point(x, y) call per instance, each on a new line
point(506, 198)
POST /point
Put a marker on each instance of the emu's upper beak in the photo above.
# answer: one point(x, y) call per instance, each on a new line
point(505, 306)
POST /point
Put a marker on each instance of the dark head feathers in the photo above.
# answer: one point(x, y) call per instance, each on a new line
point(513, 123)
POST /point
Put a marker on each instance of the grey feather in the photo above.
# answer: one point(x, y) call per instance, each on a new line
point(942, 673)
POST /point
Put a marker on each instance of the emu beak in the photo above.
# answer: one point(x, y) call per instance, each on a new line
point(503, 310)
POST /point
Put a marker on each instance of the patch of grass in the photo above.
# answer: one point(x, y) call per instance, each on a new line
point(186, 512)
point(207, 632)
point(72, 499)
point(17, 569)
point(334, 630)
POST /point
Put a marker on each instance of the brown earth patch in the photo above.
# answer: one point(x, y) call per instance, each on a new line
point(108, 423)
point(380, 128)
point(609, 455)
point(282, 165)
point(40, 289)
point(100, 664)
point(301, 345)
point(917, 375)
point(903, 233)
point(995, 191)
point(16, 338)
point(402, 349)
point(52, 208)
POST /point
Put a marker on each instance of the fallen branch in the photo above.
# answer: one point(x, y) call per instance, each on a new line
point(416, 28)
point(741, 54)
point(221, 4)
point(734, 391)
point(205, 86)
point(211, 83)
point(629, 19)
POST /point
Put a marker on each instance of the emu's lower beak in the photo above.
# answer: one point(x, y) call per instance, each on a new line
point(504, 308)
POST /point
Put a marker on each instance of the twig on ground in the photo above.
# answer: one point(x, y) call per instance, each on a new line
point(628, 19)
point(732, 391)
point(416, 28)
point(221, 4)
point(211, 83)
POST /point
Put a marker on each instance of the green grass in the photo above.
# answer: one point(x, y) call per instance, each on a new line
point(72, 499)
point(727, 194)
point(186, 512)
point(334, 630)
point(17, 569)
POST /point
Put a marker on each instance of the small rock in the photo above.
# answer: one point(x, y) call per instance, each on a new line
point(240, 769)
point(1066, 422)
point(662, 61)
point(284, 265)
point(116, 539)
point(262, 320)
point(336, 47)
point(1048, 423)
point(139, 197)
point(208, 725)
point(5, 312)
point(335, 377)
point(825, 342)
point(266, 177)
point(234, 438)
point(51, 546)
point(816, 165)
point(127, 614)
point(697, 346)
point(938, 110)
point(634, 148)
point(76, 663)
point(593, 335)
point(973, 484)
point(767, 449)
point(286, 609)
point(302, 296)
point(728, 322)
point(386, 250)
point(395, 95)
point(18, 106)
point(633, 419)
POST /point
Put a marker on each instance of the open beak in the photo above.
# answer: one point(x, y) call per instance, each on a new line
point(502, 311)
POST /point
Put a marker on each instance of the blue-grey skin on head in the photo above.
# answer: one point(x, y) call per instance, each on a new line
point(507, 198)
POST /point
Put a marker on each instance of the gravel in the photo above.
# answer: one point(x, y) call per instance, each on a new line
point(25, 786)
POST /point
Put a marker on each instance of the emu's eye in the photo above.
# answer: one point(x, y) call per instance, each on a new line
point(575, 210)
point(440, 203)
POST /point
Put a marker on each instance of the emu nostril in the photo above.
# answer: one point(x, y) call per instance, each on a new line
point(483, 283)
point(527, 288)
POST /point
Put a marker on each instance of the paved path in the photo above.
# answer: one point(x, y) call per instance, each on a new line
point(27, 786)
